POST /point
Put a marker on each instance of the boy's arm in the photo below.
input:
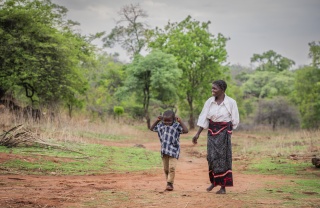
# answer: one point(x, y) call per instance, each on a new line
point(155, 123)
point(184, 127)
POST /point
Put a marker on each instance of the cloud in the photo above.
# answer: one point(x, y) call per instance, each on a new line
point(285, 26)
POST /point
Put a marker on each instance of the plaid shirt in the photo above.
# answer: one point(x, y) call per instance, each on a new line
point(169, 138)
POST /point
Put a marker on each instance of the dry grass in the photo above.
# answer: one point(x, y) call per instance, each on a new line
point(282, 142)
point(68, 129)
point(288, 143)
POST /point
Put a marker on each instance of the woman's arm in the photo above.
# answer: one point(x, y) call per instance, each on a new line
point(195, 138)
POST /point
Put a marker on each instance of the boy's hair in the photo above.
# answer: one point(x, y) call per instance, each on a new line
point(169, 113)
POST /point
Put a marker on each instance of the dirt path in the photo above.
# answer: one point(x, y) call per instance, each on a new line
point(143, 189)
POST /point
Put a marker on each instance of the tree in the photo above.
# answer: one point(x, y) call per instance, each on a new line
point(277, 112)
point(105, 76)
point(266, 84)
point(271, 61)
point(314, 53)
point(131, 37)
point(199, 55)
point(307, 96)
point(154, 76)
point(40, 53)
point(118, 111)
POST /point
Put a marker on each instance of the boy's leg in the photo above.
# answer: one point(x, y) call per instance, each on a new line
point(165, 162)
point(172, 169)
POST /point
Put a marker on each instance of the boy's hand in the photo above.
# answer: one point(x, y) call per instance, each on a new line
point(178, 119)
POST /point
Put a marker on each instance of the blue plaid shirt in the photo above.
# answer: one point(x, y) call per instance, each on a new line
point(169, 138)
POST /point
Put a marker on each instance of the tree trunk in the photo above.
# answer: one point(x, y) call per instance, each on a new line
point(191, 121)
point(70, 110)
point(191, 117)
point(148, 123)
point(2, 93)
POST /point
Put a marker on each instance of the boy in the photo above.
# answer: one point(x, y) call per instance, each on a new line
point(169, 129)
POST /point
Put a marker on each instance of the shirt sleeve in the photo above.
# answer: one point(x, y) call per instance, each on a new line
point(180, 129)
point(156, 128)
point(203, 121)
point(235, 115)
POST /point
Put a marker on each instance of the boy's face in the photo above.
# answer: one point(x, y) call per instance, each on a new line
point(168, 121)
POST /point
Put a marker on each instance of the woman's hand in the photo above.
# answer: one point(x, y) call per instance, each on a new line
point(195, 139)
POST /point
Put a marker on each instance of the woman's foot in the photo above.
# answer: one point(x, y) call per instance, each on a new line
point(221, 191)
point(210, 187)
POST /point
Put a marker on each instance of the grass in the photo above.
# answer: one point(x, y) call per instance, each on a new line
point(282, 153)
point(95, 159)
point(278, 166)
point(277, 142)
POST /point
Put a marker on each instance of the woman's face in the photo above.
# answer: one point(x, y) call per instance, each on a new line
point(216, 90)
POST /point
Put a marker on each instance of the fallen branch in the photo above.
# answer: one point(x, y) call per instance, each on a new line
point(19, 135)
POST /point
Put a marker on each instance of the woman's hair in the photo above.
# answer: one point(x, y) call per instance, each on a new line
point(169, 113)
point(221, 84)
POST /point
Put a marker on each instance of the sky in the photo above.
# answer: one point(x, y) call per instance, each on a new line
point(253, 26)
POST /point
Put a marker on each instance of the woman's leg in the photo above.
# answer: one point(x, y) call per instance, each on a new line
point(222, 190)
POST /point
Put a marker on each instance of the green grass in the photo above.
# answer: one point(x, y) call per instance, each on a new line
point(296, 193)
point(278, 165)
point(94, 159)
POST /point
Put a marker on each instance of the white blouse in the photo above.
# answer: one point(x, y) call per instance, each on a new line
point(225, 112)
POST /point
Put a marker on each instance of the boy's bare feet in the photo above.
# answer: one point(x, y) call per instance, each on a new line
point(210, 187)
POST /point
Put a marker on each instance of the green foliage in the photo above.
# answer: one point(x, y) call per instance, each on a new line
point(105, 75)
point(314, 53)
point(271, 79)
point(40, 53)
point(118, 110)
point(199, 55)
point(154, 76)
point(268, 84)
point(271, 61)
point(307, 96)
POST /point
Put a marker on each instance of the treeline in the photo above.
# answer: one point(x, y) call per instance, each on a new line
point(45, 63)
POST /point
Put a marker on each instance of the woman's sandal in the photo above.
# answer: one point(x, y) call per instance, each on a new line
point(210, 187)
point(221, 191)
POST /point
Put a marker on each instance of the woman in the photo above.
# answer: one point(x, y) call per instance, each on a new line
point(219, 115)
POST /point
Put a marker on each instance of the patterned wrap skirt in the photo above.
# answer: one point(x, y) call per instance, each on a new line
point(219, 153)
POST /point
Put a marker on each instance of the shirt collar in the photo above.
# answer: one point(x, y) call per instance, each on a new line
point(225, 101)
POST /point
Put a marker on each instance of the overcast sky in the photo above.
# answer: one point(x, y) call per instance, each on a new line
point(253, 26)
